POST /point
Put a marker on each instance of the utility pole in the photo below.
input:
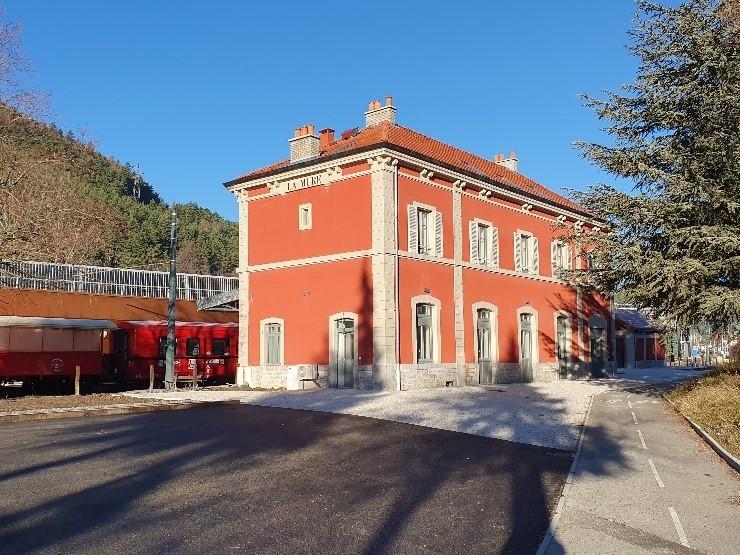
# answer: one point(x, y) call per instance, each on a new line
point(169, 379)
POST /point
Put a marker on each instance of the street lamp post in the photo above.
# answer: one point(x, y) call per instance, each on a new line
point(169, 379)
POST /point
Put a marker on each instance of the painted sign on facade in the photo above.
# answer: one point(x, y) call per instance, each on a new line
point(303, 182)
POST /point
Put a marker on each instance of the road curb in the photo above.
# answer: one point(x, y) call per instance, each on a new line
point(547, 540)
point(83, 412)
point(721, 451)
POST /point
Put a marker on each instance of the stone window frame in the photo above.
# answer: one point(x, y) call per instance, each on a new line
point(493, 247)
point(436, 237)
point(308, 208)
point(436, 327)
point(494, 329)
point(568, 334)
point(263, 338)
point(528, 309)
point(332, 337)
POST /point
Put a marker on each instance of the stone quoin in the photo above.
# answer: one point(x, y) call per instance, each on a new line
point(386, 259)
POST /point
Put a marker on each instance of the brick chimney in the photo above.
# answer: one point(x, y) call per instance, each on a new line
point(326, 137)
point(304, 144)
point(378, 114)
point(512, 162)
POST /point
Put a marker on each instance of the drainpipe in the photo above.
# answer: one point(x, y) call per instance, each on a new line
point(396, 284)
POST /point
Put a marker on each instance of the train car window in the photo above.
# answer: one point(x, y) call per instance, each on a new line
point(26, 339)
point(58, 339)
point(87, 340)
point(192, 347)
point(162, 346)
point(220, 347)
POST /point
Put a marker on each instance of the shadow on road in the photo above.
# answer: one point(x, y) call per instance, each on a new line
point(279, 480)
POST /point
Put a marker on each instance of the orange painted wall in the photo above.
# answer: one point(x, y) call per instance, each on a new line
point(416, 276)
point(273, 222)
point(509, 293)
point(305, 297)
point(507, 221)
point(56, 304)
point(410, 191)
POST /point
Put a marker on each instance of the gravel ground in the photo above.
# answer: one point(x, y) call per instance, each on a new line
point(547, 414)
point(68, 401)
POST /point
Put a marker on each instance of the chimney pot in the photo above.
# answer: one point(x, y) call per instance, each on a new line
point(389, 101)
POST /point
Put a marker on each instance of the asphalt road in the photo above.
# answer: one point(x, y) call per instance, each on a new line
point(268, 480)
point(646, 483)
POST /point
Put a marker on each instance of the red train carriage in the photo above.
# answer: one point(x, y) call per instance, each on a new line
point(210, 349)
point(48, 349)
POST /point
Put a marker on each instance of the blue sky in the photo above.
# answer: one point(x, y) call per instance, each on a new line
point(199, 92)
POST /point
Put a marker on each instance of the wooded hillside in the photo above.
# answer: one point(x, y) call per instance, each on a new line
point(62, 201)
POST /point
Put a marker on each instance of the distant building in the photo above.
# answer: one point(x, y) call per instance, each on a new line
point(383, 258)
point(639, 343)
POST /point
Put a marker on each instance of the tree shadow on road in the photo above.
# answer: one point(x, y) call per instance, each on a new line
point(277, 480)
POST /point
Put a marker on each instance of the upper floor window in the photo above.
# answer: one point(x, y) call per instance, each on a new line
point(561, 256)
point(526, 253)
point(483, 243)
point(425, 230)
point(305, 217)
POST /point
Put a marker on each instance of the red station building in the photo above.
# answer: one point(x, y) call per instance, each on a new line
point(386, 259)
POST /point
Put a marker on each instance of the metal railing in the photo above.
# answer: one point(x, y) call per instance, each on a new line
point(49, 276)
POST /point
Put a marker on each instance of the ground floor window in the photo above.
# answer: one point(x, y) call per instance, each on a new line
point(273, 341)
point(424, 333)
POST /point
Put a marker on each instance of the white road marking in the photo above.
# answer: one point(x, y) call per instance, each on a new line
point(629, 404)
point(642, 439)
point(634, 417)
point(677, 523)
point(655, 473)
point(630, 395)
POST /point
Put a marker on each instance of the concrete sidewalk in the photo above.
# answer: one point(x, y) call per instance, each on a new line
point(646, 483)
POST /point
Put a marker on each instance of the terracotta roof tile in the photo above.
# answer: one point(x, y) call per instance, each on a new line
point(444, 154)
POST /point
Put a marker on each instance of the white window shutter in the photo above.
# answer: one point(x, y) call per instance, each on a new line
point(517, 252)
point(473, 242)
point(494, 247)
point(413, 229)
point(438, 237)
point(535, 256)
point(554, 258)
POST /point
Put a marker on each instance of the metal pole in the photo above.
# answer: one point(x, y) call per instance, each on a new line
point(169, 379)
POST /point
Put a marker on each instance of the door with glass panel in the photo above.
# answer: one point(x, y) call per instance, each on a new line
point(526, 346)
point(561, 340)
point(345, 344)
point(598, 351)
point(424, 333)
point(485, 360)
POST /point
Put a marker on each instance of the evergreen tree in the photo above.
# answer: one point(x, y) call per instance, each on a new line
point(673, 244)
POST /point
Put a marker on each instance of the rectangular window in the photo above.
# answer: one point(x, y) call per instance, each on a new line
point(305, 217)
point(525, 255)
point(192, 347)
point(162, 346)
point(220, 347)
point(424, 333)
point(272, 344)
point(483, 242)
point(424, 227)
